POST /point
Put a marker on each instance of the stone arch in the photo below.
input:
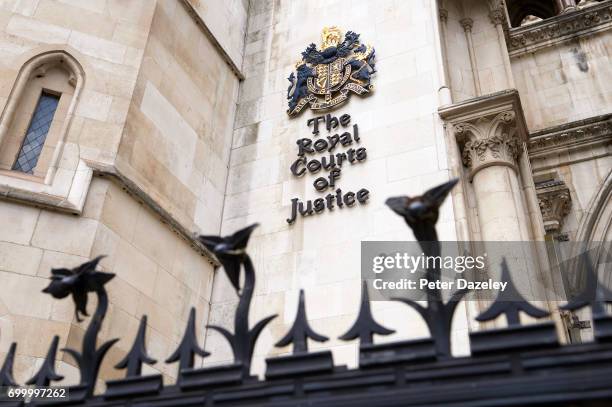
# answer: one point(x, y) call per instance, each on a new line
point(519, 9)
point(596, 223)
point(39, 66)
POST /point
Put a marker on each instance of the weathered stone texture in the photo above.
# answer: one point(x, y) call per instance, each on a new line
point(565, 83)
point(145, 88)
point(166, 141)
point(178, 132)
point(398, 125)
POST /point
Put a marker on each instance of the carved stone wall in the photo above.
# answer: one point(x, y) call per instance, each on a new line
point(490, 133)
point(590, 133)
point(555, 203)
point(489, 141)
point(154, 85)
point(555, 30)
point(579, 155)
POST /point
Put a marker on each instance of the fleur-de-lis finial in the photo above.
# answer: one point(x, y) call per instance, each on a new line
point(594, 293)
point(421, 214)
point(510, 302)
point(301, 331)
point(365, 326)
point(6, 373)
point(79, 282)
point(138, 354)
point(47, 372)
point(231, 252)
point(188, 348)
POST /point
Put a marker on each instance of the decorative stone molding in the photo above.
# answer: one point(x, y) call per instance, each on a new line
point(555, 204)
point(490, 130)
point(566, 6)
point(498, 16)
point(467, 24)
point(554, 30)
point(443, 15)
point(581, 134)
point(186, 232)
point(587, 3)
point(488, 142)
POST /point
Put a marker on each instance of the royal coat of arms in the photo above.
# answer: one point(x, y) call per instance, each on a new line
point(325, 77)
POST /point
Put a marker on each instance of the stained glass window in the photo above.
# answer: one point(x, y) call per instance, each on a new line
point(37, 133)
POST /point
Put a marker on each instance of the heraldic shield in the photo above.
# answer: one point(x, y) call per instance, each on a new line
point(325, 77)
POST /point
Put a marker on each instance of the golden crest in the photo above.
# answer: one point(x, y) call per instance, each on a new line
point(330, 37)
point(325, 76)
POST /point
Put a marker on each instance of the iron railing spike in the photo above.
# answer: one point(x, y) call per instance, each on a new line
point(510, 303)
point(46, 374)
point(6, 373)
point(138, 353)
point(594, 294)
point(365, 326)
point(301, 331)
point(421, 215)
point(188, 348)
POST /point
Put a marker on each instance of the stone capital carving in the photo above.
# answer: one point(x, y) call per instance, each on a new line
point(489, 141)
point(497, 16)
point(490, 130)
point(555, 204)
point(497, 12)
point(443, 15)
point(467, 24)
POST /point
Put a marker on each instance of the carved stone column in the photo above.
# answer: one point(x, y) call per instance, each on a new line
point(565, 5)
point(491, 134)
point(467, 24)
point(498, 18)
point(443, 13)
point(490, 150)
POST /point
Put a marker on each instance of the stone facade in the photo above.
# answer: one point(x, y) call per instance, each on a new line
point(176, 125)
point(140, 171)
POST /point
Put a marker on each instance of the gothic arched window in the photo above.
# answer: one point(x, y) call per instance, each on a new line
point(37, 113)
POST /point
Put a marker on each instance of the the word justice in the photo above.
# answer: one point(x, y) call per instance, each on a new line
point(331, 161)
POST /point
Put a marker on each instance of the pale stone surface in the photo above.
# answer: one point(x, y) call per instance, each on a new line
point(108, 39)
point(177, 152)
point(77, 234)
point(227, 22)
point(19, 259)
point(201, 150)
point(397, 125)
point(37, 30)
point(567, 82)
point(17, 222)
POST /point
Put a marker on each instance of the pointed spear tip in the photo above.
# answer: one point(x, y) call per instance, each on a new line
point(365, 296)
